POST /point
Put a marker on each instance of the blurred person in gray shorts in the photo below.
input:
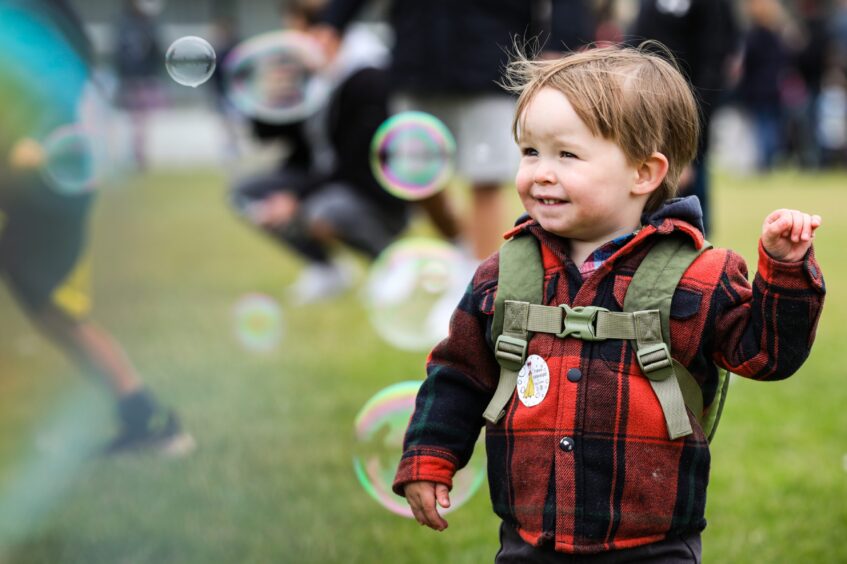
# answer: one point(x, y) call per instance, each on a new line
point(446, 60)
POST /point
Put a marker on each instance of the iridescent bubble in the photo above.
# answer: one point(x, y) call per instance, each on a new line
point(258, 322)
point(412, 289)
point(190, 60)
point(69, 160)
point(380, 426)
point(274, 77)
point(413, 155)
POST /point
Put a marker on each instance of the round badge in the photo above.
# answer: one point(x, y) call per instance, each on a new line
point(533, 381)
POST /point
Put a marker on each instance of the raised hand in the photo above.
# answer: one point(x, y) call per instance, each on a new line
point(788, 234)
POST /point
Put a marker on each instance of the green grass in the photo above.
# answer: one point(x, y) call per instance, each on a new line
point(273, 481)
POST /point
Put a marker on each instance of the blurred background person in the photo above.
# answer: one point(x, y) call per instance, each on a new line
point(704, 37)
point(43, 236)
point(763, 69)
point(447, 58)
point(324, 190)
point(138, 61)
point(810, 51)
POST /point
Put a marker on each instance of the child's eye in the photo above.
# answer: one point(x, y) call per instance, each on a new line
point(529, 152)
point(567, 155)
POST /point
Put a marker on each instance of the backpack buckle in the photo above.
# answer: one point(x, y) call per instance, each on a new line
point(655, 361)
point(580, 322)
point(510, 352)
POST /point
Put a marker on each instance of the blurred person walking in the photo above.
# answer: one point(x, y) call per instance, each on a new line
point(447, 60)
point(44, 255)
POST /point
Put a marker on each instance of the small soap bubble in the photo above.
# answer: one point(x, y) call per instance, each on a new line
point(379, 430)
point(412, 289)
point(275, 77)
point(413, 155)
point(69, 160)
point(190, 60)
point(258, 323)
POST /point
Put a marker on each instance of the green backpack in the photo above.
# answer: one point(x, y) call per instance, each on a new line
point(645, 320)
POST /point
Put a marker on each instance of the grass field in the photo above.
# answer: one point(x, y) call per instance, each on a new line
point(272, 480)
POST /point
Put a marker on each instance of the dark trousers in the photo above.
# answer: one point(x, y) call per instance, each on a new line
point(514, 550)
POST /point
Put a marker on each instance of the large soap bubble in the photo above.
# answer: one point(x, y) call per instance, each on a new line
point(380, 427)
point(413, 155)
point(274, 77)
point(413, 288)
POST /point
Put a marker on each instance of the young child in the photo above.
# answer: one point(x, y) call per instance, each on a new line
point(590, 468)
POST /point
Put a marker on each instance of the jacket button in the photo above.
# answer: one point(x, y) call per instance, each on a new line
point(566, 444)
point(574, 374)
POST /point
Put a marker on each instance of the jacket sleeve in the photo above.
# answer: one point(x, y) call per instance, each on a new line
point(461, 377)
point(765, 330)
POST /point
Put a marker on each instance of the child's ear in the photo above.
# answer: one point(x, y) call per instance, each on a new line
point(650, 173)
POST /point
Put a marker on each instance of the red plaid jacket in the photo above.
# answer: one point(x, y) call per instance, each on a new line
point(617, 481)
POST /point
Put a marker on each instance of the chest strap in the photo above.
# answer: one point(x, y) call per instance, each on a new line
point(593, 323)
point(645, 322)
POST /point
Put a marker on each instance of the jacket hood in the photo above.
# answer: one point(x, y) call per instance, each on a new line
point(686, 209)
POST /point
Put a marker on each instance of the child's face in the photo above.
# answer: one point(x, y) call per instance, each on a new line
point(575, 184)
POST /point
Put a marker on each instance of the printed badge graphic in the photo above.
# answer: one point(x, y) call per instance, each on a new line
point(533, 381)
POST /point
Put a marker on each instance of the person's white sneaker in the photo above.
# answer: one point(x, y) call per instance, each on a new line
point(319, 282)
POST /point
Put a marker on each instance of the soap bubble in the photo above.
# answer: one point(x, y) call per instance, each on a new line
point(258, 322)
point(274, 77)
point(413, 155)
point(190, 60)
point(379, 430)
point(413, 288)
point(69, 160)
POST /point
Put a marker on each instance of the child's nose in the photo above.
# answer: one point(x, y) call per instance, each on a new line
point(544, 174)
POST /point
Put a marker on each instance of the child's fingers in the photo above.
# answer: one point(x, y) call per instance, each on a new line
point(433, 519)
point(774, 216)
point(798, 225)
point(777, 224)
point(442, 495)
point(418, 504)
point(422, 502)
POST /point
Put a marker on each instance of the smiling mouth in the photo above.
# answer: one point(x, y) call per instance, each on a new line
point(550, 201)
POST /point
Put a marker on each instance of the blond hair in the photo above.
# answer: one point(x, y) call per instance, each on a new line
point(631, 96)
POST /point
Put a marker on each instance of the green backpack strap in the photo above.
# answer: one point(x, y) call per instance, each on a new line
point(649, 296)
point(520, 283)
point(645, 320)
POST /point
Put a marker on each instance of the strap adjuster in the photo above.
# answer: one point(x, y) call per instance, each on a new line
point(510, 352)
point(655, 361)
point(580, 322)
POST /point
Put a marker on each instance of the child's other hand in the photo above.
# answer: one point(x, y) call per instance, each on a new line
point(422, 496)
point(788, 234)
